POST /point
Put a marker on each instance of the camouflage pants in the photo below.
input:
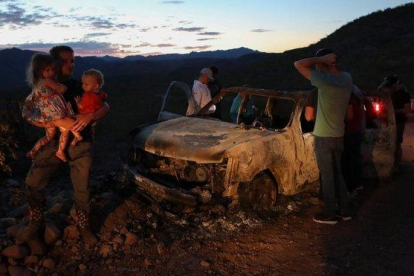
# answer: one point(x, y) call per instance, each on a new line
point(46, 163)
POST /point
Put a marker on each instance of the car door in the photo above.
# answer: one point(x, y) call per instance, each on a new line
point(378, 146)
point(176, 101)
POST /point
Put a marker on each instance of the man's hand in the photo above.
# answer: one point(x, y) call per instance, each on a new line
point(82, 120)
point(329, 59)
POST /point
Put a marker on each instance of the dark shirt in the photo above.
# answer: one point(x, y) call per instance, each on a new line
point(399, 99)
point(215, 87)
point(74, 90)
point(355, 125)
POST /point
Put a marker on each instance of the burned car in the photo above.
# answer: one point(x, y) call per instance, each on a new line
point(183, 159)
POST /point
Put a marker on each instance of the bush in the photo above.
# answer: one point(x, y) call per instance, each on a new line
point(8, 144)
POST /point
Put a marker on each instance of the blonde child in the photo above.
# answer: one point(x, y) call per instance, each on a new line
point(45, 104)
point(92, 97)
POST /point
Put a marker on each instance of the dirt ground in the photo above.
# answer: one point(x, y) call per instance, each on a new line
point(141, 237)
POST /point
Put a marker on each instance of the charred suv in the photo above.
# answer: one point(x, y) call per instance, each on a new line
point(185, 159)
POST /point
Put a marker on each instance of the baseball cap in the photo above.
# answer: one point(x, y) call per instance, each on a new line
point(390, 80)
point(207, 72)
point(323, 52)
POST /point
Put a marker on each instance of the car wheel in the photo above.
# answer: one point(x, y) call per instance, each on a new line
point(258, 194)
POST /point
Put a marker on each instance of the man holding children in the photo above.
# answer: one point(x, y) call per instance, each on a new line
point(79, 157)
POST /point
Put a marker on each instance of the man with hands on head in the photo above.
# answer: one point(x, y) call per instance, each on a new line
point(334, 90)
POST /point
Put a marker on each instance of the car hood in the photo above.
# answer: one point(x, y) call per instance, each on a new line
point(194, 139)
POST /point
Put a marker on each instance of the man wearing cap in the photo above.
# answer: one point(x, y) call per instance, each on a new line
point(401, 103)
point(334, 91)
point(201, 93)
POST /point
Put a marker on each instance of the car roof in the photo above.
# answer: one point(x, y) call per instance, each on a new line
point(281, 94)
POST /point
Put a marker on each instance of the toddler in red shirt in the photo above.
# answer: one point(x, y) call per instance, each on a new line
point(92, 97)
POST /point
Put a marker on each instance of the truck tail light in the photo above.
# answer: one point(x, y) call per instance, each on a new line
point(378, 107)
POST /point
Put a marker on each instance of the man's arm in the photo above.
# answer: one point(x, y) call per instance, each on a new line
point(304, 66)
point(58, 87)
point(82, 120)
point(309, 113)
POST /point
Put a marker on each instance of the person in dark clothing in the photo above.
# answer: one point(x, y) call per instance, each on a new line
point(215, 88)
point(401, 103)
point(353, 137)
point(80, 157)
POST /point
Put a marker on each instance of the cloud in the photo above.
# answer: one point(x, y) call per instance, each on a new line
point(206, 39)
point(152, 54)
point(91, 35)
point(144, 44)
point(210, 33)
point(185, 22)
point(260, 31)
point(197, 47)
point(16, 16)
point(173, 2)
point(190, 29)
point(82, 48)
point(100, 23)
point(164, 45)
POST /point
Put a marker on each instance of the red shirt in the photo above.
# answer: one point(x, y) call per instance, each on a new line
point(92, 101)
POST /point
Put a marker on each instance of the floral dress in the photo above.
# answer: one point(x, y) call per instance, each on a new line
point(44, 105)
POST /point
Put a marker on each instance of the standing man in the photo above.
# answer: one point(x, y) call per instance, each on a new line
point(334, 90)
point(401, 103)
point(46, 163)
point(201, 93)
point(215, 88)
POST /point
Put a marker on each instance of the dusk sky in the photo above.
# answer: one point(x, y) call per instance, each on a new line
point(152, 27)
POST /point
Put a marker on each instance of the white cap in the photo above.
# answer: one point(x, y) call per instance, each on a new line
point(208, 73)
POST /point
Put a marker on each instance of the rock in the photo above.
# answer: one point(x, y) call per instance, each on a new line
point(131, 239)
point(52, 233)
point(71, 232)
point(7, 222)
point(15, 230)
point(15, 251)
point(20, 212)
point(118, 240)
point(160, 248)
point(122, 269)
point(218, 209)
point(147, 262)
point(204, 264)
point(49, 264)
point(18, 271)
point(31, 261)
point(3, 269)
point(106, 249)
point(50, 201)
point(82, 267)
point(37, 247)
point(124, 231)
point(314, 201)
point(57, 208)
point(11, 261)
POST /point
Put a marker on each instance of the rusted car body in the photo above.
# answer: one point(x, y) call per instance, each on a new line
point(172, 158)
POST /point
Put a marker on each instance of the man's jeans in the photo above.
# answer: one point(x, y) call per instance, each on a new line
point(46, 163)
point(328, 155)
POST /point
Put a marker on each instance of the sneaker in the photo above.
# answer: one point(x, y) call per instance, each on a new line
point(321, 218)
point(345, 218)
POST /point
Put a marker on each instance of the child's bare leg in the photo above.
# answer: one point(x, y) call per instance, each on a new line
point(67, 123)
point(63, 142)
point(50, 134)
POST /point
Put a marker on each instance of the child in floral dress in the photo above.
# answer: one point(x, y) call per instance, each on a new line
point(46, 104)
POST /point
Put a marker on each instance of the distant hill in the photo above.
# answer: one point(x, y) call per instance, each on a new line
point(219, 54)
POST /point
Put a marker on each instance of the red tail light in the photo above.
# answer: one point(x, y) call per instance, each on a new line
point(377, 107)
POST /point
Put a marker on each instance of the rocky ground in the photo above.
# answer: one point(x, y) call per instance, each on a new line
point(142, 237)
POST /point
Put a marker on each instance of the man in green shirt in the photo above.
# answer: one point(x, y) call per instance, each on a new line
point(334, 90)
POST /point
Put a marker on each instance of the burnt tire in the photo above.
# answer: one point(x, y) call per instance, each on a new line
point(258, 194)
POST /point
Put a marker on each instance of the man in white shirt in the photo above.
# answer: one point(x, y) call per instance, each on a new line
point(201, 93)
